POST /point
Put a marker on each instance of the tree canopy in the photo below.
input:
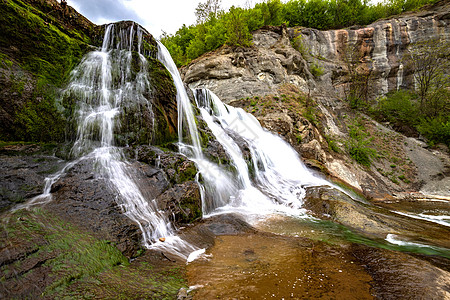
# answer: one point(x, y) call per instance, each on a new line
point(216, 27)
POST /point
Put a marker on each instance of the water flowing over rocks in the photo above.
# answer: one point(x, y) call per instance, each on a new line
point(283, 57)
point(116, 191)
point(24, 170)
point(363, 217)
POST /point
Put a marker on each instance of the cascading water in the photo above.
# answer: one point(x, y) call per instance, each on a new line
point(106, 84)
point(278, 177)
point(218, 185)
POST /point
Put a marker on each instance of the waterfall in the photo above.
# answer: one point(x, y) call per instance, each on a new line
point(111, 82)
point(103, 84)
point(107, 83)
point(277, 179)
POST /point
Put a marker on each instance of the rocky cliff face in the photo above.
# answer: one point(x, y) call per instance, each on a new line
point(379, 48)
point(302, 71)
point(290, 55)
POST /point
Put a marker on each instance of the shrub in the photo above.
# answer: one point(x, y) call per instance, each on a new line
point(399, 107)
point(316, 70)
point(332, 144)
point(357, 144)
point(436, 130)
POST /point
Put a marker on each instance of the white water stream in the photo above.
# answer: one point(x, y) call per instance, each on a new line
point(269, 178)
point(277, 177)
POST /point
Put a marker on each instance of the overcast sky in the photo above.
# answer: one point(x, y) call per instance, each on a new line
point(155, 15)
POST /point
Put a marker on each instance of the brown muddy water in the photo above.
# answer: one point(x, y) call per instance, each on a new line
point(292, 258)
point(264, 266)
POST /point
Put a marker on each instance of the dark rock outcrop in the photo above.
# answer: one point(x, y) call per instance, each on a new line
point(88, 201)
point(398, 275)
point(24, 168)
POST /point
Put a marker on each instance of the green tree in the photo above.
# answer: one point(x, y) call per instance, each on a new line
point(237, 29)
point(430, 61)
point(271, 12)
point(207, 10)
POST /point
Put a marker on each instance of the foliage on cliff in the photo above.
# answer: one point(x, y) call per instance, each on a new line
point(426, 108)
point(233, 27)
point(38, 51)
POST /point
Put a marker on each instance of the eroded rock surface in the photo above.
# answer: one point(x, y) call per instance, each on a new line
point(24, 168)
point(369, 220)
point(282, 58)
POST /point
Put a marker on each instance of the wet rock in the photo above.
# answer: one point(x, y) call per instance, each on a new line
point(182, 294)
point(329, 203)
point(399, 275)
point(203, 234)
point(227, 224)
point(24, 169)
point(88, 202)
point(182, 202)
point(150, 180)
point(176, 166)
point(369, 220)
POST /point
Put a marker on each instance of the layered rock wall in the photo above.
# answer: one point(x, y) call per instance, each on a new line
point(286, 55)
point(379, 47)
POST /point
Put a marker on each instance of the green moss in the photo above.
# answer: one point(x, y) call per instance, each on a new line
point(187, 174)
point(165, 97)
point(44, 49)
point(5, 61)
point(40, 120)
point(73, 254)
point(42, 46)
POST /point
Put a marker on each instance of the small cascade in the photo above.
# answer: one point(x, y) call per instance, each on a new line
point(110, 87)
point(274, 179)
point(218, 184)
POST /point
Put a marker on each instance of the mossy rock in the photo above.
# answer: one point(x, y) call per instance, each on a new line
point(38, 51)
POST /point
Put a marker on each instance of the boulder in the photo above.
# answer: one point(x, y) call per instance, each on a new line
point(87, 201)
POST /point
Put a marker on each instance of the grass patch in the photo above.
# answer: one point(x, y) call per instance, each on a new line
point(357, 145)
point(73, 254)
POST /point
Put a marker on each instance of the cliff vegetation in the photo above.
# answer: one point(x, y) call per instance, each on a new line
point(216, 27)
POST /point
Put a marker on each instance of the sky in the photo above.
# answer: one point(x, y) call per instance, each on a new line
point(155, 15)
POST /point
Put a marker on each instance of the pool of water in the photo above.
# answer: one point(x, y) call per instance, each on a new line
point(262, 266)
